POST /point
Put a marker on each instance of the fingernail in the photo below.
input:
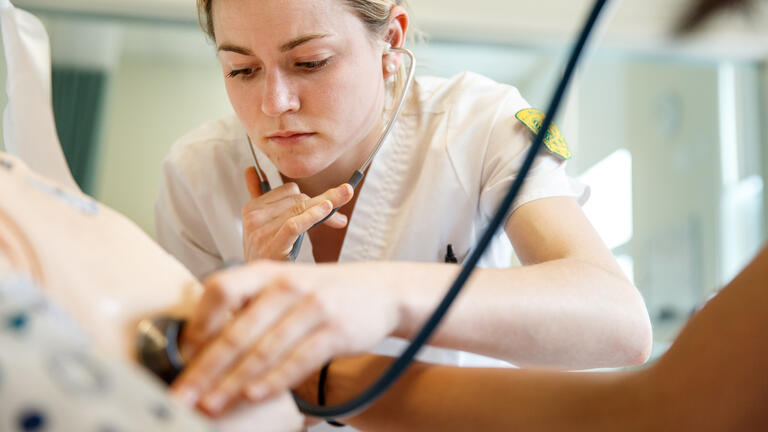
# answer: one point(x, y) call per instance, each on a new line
point(186, 350)
point(213, 402)
point(257, 392)
point(186, 395)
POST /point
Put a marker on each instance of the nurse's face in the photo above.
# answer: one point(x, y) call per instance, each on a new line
point(304, 77)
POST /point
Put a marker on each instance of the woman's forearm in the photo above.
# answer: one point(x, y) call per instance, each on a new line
point(445, 398)
point(564, 313)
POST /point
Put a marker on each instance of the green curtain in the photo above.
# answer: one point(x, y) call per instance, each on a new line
point(78, 99)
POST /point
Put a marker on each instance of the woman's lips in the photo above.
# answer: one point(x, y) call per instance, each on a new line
point(289, 138)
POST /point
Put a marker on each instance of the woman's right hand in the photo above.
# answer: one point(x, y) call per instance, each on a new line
point(273, 221)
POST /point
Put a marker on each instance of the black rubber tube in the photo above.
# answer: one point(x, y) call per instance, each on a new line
point(367, 397)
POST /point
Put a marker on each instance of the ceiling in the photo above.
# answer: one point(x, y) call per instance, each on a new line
point(638, 24)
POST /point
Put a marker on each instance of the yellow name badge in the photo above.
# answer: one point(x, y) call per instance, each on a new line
point(553, 140)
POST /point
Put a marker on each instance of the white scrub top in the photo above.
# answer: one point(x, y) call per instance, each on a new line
point(437, 180)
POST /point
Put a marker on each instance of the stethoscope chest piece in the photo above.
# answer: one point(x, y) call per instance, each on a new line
point(157, 346)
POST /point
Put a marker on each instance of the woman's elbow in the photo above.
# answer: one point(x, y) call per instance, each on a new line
point(638, 348)
point(635, 340)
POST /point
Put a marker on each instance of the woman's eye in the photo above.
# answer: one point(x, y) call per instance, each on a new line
point(244, 73)
point(313, 65)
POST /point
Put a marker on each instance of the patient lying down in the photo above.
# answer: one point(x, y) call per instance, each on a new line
point(106, 276)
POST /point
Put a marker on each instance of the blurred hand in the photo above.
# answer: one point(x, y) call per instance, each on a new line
point(273, 221)
point(263, 328)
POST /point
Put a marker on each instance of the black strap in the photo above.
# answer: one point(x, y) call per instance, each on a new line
point(321, 393)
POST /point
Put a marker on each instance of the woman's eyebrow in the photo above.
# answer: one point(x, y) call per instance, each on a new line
point(235, 49)
point(283, 48)
point(300, 40)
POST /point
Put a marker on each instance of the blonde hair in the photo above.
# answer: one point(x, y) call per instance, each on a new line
point(373, 13)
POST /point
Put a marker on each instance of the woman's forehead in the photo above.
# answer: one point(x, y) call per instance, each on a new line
point(280, 21)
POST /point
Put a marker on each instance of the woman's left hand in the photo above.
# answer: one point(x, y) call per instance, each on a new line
point(267, 326)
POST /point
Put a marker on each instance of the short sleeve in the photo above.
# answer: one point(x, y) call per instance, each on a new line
point(508, 145)
point(179, 225)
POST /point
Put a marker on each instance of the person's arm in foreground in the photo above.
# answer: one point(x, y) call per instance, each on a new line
point(712, 378)
point(570, 306)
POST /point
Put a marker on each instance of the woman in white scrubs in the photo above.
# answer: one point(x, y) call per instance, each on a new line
point(311, 83)
point(711, 379)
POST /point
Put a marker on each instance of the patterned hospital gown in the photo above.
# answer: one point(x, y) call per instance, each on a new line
point(51, 381)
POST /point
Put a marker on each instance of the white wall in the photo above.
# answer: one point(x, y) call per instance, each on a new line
point(764, 137)
point(154, 100)
point(602, 111)
point(3, 94)
point(676, 184)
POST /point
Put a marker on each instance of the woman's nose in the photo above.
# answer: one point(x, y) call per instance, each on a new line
point(279, 96)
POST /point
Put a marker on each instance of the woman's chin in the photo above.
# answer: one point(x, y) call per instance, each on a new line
point(299, 171)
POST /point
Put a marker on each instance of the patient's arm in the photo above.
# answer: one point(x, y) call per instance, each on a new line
point(715, 375)
point(447, 398)
point(103, 271)
point(713, 378)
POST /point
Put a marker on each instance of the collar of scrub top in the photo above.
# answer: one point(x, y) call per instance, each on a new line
point(358, 175)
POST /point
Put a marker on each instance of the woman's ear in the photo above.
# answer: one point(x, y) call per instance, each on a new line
point(398, 26)
point(395, 37)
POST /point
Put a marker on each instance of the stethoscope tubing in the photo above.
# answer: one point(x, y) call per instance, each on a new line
point(388, 378)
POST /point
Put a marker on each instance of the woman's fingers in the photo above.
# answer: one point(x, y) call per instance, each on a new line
point(252, 182)
point(273, 222)
point(290, 331)
point(337, 221)
point(292, 228)
point(288, 196)
point(235, 338)
point(308, 356)
point(225, 292)
point(213, 310)
point(308, 213)
point(280, 192)
point(338, 196)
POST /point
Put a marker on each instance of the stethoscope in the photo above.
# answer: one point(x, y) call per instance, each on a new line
point(358, 175)
point(159, 351)
point(396, 369)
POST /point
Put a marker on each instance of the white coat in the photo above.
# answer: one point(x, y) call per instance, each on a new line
point(436, 181)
